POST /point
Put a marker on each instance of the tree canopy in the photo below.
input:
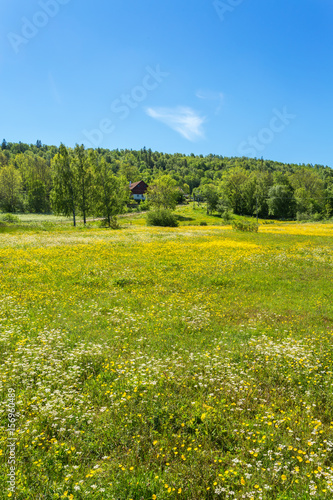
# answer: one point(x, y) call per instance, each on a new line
point(50, 178)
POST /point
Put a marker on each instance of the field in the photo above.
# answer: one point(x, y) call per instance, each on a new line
point(148, 363)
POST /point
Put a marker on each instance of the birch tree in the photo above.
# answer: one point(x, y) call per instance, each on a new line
point(64, 194)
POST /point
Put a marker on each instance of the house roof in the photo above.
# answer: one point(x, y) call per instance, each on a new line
point(139, 187)
point(134, 184)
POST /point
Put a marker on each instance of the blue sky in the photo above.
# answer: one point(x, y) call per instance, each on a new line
point(230, 77)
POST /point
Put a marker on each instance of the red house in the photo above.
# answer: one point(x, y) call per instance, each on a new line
point(138, 190)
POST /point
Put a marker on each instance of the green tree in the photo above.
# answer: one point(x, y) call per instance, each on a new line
point(233, 187)
point(37, 181)
point(83, 179)
point(37, 197)
point(224, 208)
point(281, 202)
point(111, 193)
point(131, 172)
point(211, 197)
point(309, 191)
point(3, 159)
point(10, 188)
point(64, 195)
point(164, 193)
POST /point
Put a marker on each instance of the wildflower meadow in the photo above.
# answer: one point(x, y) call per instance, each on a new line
point(159, 363)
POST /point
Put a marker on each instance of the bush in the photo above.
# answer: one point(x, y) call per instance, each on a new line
point(245, 226)
point(113, 223)
point(317, 217)
point(203, 223)
point(163, 218)
point(144, 205)
point(304, 217)
point(301, 216)
point(10, 218)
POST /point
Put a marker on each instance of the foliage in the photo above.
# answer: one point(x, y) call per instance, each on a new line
point(144, 205)
point(110, 192)
point(83, 180)
point(65, 194)
point(10, 188)
point(211, 197)
point(245, 226)
point(245, 182)
point(110, 222)
point(161, 217)
point(281, 201)
point(9, 218)
point(224, 209)
point(163, 194)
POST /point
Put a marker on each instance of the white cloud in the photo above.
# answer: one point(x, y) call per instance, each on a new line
point(211, 96)
point(182, 119)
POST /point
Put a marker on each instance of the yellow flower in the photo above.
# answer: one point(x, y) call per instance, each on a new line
point(180, 490)
point(154, 497)
point(242, 481)
point(283, 477)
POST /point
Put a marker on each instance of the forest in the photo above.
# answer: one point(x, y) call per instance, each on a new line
point(37, 178)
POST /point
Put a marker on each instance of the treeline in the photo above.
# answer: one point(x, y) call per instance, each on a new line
point(41, 179)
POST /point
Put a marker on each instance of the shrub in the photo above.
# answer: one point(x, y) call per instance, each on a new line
point(245, 226)
point(144, 205)
point(10, 218)
point(113, 223)
point(301, 216)
point(203, 223)
point(163, 218)
point(317, 217)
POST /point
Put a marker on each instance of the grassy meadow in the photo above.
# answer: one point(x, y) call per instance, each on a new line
point(156, 363)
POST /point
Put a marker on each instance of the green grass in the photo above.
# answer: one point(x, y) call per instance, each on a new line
point(191, 363)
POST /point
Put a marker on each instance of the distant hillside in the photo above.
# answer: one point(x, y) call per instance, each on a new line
point(242, 184)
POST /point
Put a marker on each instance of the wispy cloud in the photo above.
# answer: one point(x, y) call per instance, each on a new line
point(211, 96)
point(183, 120)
